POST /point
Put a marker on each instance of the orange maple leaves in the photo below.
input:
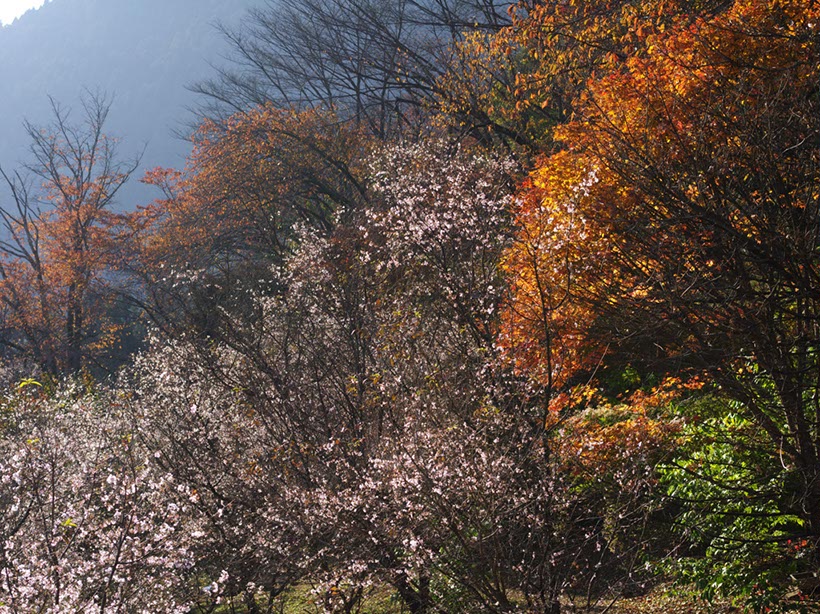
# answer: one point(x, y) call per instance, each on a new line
point(557, 255)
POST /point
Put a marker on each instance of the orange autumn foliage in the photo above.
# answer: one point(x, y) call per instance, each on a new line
point(61, 244)
point(559, 250)
point(609, 436)
point(669, 105)
point(574, 43)
point(700, 124)
point(248, 182)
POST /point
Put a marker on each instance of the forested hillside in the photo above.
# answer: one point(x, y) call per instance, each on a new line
point(141, 54)
point(456, 306)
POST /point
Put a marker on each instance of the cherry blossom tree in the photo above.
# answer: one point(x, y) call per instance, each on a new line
point(89, 522)
point(362, 428)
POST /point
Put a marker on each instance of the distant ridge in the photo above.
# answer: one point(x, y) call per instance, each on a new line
point(143, 53)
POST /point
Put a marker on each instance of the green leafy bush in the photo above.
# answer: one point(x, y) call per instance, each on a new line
point(741, 534)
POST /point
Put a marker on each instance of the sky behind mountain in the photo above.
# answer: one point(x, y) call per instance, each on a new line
point(12, 9)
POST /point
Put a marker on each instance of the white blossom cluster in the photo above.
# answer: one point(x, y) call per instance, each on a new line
point(356, 432)
point(352, 430)
point(87, 521)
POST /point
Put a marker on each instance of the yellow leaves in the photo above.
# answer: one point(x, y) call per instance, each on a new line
point(68, 523)
point(480, 74)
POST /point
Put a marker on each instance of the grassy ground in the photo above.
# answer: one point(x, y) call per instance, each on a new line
point(660, 601)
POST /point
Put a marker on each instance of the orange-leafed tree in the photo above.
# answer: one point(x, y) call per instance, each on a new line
point(717, 132)
point(704, 135)
point(59, 244)
point(252, 177)
point(559, 252)
point(714, 132)
point(673, 224)
point(234, 211)
point(571, 43)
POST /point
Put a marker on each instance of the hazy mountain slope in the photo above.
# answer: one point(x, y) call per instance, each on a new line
point(141, 52)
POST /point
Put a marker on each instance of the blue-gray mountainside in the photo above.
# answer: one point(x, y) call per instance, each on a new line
point(142, 53)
